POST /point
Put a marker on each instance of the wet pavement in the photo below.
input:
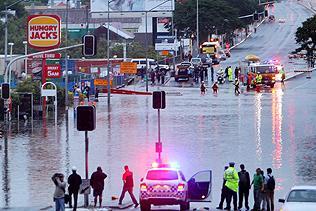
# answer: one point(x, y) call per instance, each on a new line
point(274, 128)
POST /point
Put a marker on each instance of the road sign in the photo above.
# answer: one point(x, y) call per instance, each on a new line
point(128, 67)
point(101, 82)
point(85, 187)
point(43, 31)
point(46, 56)
point(53, 71)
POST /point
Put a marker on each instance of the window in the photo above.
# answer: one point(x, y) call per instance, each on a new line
point(302, 196)
point(266, 69)
point(162, 175)
point(152, 63)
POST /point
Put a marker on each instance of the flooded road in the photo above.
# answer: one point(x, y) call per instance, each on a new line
point(274, 128)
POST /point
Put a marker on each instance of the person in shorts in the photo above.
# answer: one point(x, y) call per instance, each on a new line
point(97, 183)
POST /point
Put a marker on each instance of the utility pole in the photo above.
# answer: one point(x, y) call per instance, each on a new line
point(5, 37)
point(66, 57)
point(108, 55)
point(197, 27)
point(146, 47)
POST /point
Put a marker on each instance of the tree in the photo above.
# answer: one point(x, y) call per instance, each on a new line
point(16, 27)
point(218, 15)
point(305, 32)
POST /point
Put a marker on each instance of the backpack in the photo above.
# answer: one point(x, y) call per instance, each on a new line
point(243, 181)
point(271, 183)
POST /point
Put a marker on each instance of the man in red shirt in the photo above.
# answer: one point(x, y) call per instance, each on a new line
point(128, 186)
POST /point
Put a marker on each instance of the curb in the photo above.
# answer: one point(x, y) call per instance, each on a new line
point(246, 37)
point(293, 76)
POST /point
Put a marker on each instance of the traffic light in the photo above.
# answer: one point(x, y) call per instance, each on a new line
point(5, 91)
point(266, 13)
point(89, 47)
point(255, 16)
point(159, 100)
point(86, 118)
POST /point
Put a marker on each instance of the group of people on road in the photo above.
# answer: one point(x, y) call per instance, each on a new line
point(200, 73)
point(85, 90)
point(157, 75)
point(239, 183)
point(229, 73)
point(96, 182)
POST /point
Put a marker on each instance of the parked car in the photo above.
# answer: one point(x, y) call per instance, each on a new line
point(196, 61)
point(300, 198)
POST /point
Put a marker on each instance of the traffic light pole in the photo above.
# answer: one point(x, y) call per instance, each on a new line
point(86, 196)
point(159, 140)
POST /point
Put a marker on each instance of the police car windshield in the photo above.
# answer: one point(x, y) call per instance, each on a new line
point(162, 175)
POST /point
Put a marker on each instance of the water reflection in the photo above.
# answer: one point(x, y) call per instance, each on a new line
point(258, 109)
point(277, 117)
point(5, 170)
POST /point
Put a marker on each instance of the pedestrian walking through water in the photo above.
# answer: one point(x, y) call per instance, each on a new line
point(128, 185)
point(97, 183)
point(230, 74)
point(237, 92)
point(203, 88)
point(244, 186)
point(223, 193)
point(231, 177)
point(74, 181)
point(215, 87)
point(60, 189)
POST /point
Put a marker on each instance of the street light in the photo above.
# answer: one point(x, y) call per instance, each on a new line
point(108, 55)
point(197, 27)
point(25, 52)
point(66, 57)
point(11, 44)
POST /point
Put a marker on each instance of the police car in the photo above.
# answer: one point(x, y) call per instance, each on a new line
point(166, 185)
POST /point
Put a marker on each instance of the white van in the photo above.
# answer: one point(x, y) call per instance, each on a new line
point(141, 63)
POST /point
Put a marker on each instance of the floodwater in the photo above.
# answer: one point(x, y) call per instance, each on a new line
point(274, 128)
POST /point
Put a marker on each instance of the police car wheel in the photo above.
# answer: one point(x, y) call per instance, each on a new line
point(185, 206)
point(144, 206)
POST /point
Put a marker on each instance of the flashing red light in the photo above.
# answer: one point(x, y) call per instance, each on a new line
point(180, 187)
point(143, 187)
